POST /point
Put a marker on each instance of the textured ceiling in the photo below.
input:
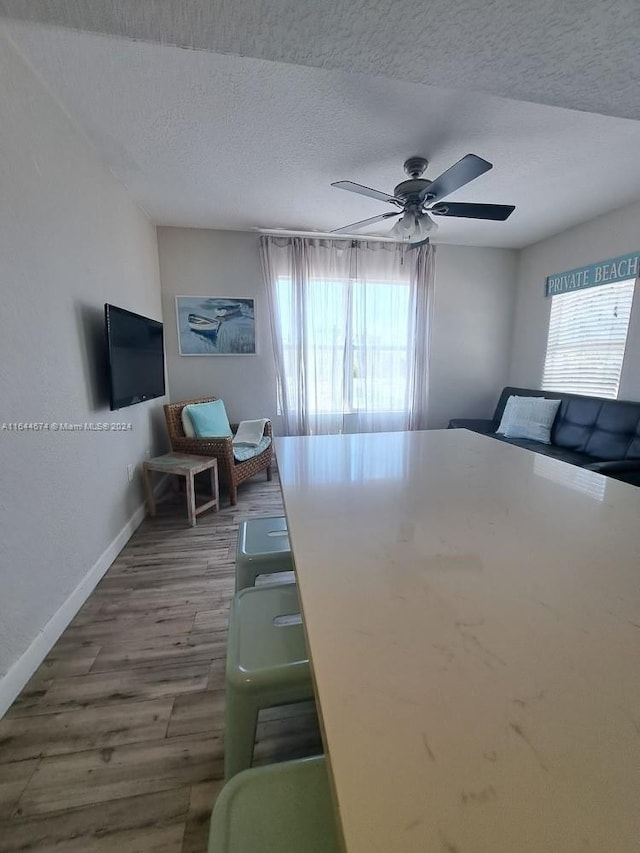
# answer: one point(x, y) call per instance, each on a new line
point(578, 54)
point(208, 140)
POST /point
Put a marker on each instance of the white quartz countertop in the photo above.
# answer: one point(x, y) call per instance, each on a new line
point(473, 618)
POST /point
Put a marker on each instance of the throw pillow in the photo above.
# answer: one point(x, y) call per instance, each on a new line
point(209, 419)
point(187, 423)
point(529, 417)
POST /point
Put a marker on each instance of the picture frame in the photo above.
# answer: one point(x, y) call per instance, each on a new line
point(216, 325)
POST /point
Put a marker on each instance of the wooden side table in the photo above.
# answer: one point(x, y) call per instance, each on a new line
point(187, 466)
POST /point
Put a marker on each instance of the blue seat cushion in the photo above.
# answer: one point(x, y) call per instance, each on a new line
point(241, 452)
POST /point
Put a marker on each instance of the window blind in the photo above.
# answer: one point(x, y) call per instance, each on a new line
point(587, 339)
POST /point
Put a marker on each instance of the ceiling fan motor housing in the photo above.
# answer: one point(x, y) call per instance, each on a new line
point(412, 191)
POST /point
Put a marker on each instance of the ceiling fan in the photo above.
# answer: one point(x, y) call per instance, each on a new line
point(419, 199)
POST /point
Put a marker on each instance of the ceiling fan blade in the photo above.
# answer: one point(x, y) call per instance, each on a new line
point(347, 229)
point(361, 190)
point(468, 169)
point(496, 212)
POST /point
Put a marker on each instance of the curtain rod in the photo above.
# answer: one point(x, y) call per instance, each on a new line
point(275, 232)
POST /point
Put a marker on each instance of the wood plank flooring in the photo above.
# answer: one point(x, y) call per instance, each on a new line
point(116, 743)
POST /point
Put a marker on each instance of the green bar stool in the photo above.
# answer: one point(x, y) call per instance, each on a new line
point(267, 665)
point(282, 808)
point(263, 549)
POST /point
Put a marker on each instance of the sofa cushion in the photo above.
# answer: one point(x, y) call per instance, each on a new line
point(561, 453)
point(633, 451)
point(575, 422)
point(614, 430)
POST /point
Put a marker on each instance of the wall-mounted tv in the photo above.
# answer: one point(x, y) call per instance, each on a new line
point(135, 347)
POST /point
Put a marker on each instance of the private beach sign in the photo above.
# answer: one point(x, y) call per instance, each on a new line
point(604, 272)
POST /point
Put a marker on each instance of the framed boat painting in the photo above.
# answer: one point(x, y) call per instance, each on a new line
point(216, 325)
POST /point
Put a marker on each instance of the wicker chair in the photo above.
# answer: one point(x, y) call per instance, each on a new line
point(231, 473)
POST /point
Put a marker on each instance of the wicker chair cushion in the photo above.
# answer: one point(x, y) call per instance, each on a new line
point(241, 452)
point(187, 424)
point(209, 419)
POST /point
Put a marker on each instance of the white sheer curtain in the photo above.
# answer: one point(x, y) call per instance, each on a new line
point(422, 270)
point(350, 327)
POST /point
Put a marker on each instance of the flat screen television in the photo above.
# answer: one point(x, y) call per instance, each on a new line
point(135, 347)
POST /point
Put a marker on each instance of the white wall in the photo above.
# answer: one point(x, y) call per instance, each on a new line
point(472, 324)
point(604, 237)
point(217, 263)
point(70, 240)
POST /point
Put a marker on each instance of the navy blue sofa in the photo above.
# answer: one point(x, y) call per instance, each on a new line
point(592, 432)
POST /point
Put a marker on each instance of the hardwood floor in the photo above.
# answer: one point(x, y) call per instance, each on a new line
point(116, 743)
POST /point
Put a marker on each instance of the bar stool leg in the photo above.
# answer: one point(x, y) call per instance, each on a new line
point(246, 574)
point(241, 720)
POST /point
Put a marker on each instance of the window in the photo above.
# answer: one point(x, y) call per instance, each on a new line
point(587, 338)
point(350, 324)
point(364, 370)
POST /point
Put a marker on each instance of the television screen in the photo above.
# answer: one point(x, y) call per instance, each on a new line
point(136, 357)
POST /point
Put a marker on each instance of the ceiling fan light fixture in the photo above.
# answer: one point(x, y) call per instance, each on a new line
point(425, 226)
point(405, 226)
point(414, 226)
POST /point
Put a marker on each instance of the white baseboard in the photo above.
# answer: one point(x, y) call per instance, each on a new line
point(19, 674)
